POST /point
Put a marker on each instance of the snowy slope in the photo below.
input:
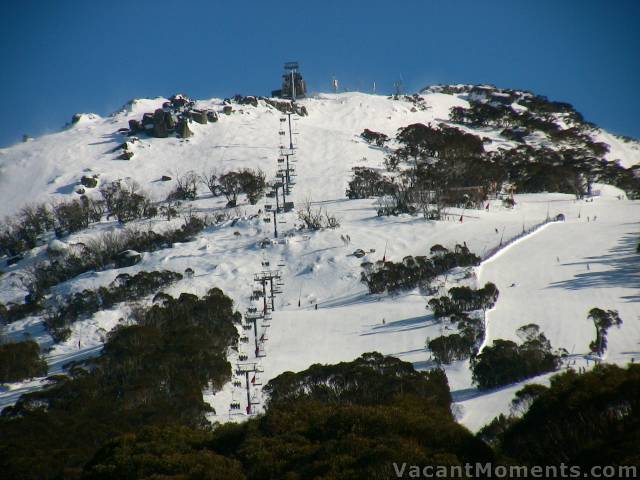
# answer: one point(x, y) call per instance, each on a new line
point(319, 266)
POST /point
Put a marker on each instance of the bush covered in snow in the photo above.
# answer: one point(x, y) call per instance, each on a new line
point(412, 271)
point(101, 252)
point(125, 288)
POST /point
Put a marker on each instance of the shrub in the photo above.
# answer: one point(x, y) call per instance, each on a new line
point(149, 374)
point(316, 219)
point(382, 411)
point(367, 182)
point(77, 215)
point(602, 320)
point(16, 311)
point(125, 201)
point(19, 361)
point(231, 186)
point(414, 271)
point(21, 232)
point(210, 179)
point(456, 306)
point(371, 379)
point(125, 288)
point(449, 348)
point(374, 137)
point(186, 187)
point(162, 453)
point(583, 420)
point(253, 183)
point(505, 362)
point(100, 253)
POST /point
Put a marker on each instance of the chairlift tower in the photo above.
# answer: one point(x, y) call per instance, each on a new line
point(245, 369)
point(273, 278)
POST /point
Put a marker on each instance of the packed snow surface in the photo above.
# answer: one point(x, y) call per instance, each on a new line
point(551, 277)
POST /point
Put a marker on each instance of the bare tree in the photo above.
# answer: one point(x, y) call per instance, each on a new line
point(210, 179)
point(316, 219)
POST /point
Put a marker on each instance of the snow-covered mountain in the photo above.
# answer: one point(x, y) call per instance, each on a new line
point(551, 277)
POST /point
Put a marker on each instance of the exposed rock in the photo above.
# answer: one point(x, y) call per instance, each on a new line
point(212, 116)
point(227, 109)
point(249, 100)
point(286, 106)
point(135, 126)
point(169, 121)
point(89, 182)
point(147, 122)
point(127, 258)
point(283, 106)
point(81, 191)
point(165, 178)
point(126, 155)
point(182, 129)
point(180, 102)
point(199, 116)
point(159, 127)
point(359, 253)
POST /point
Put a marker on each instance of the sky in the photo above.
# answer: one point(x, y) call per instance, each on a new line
point(61, 57)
